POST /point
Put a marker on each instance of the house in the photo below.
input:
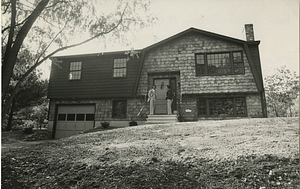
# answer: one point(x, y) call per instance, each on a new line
point(211, 75)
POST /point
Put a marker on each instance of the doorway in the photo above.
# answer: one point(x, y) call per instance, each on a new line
point(161, 94)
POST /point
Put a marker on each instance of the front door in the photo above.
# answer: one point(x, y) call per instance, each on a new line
point(161, 94)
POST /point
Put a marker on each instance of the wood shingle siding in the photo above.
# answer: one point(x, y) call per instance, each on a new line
point(96, 78)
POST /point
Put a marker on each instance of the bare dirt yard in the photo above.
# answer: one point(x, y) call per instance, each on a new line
point(245, 153)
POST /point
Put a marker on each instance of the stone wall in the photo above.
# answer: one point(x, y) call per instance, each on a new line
point(179, 55)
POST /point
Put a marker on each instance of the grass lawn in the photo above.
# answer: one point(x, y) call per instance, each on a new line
point(246, 153)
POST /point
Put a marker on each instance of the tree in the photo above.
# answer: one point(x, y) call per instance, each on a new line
point(282, 91)
point(40, 24)
point(32, 91)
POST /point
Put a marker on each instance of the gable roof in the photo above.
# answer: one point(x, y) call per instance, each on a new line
point(198, 31)
point(245, 44)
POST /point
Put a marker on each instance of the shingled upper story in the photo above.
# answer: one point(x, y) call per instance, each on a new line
point(211, 75)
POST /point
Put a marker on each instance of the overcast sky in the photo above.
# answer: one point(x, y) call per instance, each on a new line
point(276, 26)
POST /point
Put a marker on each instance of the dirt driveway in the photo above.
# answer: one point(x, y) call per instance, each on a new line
point(20, 144)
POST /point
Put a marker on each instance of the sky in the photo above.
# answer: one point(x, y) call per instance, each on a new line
point(275, 23)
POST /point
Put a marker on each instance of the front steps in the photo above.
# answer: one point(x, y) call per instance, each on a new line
point(159, 119)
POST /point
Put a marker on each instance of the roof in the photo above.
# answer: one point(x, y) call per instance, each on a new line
point(256, 70)
point(92, 54)
point(195, 30)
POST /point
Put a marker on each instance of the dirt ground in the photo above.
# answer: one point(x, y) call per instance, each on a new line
point(246, 153)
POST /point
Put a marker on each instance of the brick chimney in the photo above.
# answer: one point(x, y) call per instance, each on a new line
point(249, 32)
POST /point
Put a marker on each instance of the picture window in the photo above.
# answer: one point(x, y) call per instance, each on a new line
point(212, 107)
point(219, 63)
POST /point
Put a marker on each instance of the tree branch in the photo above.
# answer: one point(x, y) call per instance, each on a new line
point(7, 6)
point(51, 42)
point(12, 51)
point(53, 5)
point(37, 63)
point(18, 24)
point(12, 28)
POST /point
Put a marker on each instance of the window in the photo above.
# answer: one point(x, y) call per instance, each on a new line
point(202, 108)
point(120, 67)
point(240, 106)
point(75, 71)
point(80, 117)
point(219, 106)
point(90, 117)
point(71, 117)
point(238, 66)
point(219, 63)
point(119, 108)
point(61, 117)
point(209, 107)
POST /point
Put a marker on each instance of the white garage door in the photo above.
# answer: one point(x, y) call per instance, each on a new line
point(73, 119)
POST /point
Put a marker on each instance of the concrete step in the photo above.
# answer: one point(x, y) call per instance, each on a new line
point(157, 119)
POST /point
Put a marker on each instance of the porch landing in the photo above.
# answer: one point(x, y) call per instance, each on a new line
point(157, 119)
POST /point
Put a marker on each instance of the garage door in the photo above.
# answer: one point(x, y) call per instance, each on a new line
point(72, 120)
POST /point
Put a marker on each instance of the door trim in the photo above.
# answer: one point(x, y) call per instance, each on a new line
point(174, 106)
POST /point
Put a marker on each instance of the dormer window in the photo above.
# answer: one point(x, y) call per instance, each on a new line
point(225, 63)
point(75, 70)
point(120, 67)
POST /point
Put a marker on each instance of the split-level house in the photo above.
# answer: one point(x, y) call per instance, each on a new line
point(211, 75)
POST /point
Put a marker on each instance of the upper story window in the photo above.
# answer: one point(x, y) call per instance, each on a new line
point(120, 67)
point(75, 70)
point(219, 63)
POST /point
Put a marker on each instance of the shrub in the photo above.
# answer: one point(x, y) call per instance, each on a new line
point(133, 123)
point(28, 126)
point(105, 125)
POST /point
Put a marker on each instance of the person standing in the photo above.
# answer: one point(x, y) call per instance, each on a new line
point(151, 99)
point(169, 98)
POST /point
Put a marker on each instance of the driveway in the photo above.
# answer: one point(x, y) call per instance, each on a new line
point(20, 144)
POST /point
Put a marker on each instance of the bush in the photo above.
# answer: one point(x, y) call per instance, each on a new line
point(28, 126)
point(133, 123)
point(105, 125)
point(17, 127)
point(28, 130)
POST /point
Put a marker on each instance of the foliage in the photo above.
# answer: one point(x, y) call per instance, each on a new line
point(282, 92)
point(28, 126)
point(105, 125)
point(37, 114)
point(32, 91)
point(40, 25)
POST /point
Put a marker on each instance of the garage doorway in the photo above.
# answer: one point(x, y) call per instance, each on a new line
point(72, 119)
